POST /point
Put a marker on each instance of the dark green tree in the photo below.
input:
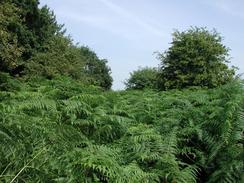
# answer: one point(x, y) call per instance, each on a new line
point(197, 57)
point(142, 78)
point(64, 58)
point(96, 68)
point(38, 26)
point(10, 49)
point(61, 58)
point(25, 30)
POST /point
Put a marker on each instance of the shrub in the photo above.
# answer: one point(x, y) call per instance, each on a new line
point(142, 78)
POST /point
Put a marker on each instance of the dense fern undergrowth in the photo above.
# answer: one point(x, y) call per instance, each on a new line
point(61, 131)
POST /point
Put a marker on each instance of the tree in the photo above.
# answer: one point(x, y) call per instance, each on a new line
point(96, 68)
point(10, 50)
point(64, 58)
point(197, 57)
point(142, 78)
point(61, 58)
point(33, 43)
point(37, 27)
point(25, 30)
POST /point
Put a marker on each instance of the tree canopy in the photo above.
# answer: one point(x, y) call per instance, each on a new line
point(197, 57)
point(10, 49)
point(33, 43)
point(96, 68)
point(142, 78)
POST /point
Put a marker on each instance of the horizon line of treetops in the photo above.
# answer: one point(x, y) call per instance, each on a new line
point(33, 43)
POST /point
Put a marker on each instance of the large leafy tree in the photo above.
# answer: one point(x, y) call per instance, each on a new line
point(197, 57)
point(142, 78)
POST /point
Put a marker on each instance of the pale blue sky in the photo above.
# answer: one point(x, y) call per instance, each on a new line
point(128, 32)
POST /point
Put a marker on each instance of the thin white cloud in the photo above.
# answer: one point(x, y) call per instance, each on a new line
point(231, 7)
point(133, 18)
point(113, 19)
point(99, 22)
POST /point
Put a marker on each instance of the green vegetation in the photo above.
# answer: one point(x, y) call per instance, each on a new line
point(10, 51)
point(61, 123)
point(197, 57)
point(62, 131)
point(142, 78)
point(33, 43)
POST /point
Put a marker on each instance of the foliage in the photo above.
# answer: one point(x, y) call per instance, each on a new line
point(38, 25)
point(142, 78)
point(56, 126)
point(197, 57)
point(25, 29)
point(33, 43)
point(8, 84)
point(96, 69)
point(61, 58)
point(65, 58)
point(63, 131)
point(10, 50)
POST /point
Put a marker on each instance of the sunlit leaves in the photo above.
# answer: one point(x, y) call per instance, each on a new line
point(134, 136)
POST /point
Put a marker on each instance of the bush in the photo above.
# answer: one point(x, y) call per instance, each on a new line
point(142, 78)
point(8, 84)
